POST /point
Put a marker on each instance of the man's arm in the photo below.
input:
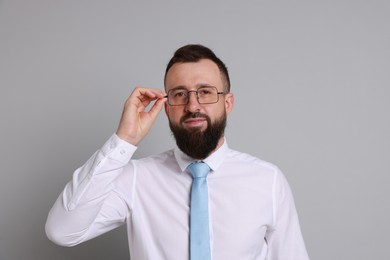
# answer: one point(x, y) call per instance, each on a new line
point(285, 239)
point(89, 205)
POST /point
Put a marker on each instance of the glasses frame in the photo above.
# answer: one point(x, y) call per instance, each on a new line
point(197, 95)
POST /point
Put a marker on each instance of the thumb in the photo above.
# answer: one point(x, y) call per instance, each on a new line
point(157, 107)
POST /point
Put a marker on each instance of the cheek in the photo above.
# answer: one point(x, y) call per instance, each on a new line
point(217, 113)
point(174, 114)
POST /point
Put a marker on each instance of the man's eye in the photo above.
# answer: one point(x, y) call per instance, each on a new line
point(179, 94)
point(204, 92)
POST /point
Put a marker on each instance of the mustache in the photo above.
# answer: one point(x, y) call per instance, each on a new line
point(193, 115)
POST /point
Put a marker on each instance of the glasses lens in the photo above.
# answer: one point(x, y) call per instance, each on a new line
point(177, 97)
point(207, 95)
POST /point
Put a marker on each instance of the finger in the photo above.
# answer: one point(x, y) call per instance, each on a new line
point(147, 95)
point(150, 93)
point(157, 107)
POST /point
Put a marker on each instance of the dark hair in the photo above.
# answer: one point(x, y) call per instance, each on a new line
point(194, 53)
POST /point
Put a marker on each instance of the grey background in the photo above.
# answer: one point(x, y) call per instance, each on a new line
point(310, 78)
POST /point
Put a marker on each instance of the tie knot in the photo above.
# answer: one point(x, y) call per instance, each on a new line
point(199, 169)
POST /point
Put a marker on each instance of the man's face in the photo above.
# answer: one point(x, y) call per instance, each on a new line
point(192, 120)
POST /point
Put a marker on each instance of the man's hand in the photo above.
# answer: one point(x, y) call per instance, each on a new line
point(135, 122)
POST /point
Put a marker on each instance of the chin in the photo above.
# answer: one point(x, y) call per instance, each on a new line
point(195, 128)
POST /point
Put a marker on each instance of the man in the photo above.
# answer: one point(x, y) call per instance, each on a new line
point(240, 208)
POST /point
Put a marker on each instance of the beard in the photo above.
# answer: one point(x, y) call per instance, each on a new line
point(196, 143)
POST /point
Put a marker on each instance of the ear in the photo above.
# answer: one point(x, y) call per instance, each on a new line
point(229, 102)
point(166, 108)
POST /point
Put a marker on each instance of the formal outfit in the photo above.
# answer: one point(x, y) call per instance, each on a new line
point(251, 210)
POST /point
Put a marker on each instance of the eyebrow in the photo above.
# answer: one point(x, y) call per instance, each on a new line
point(201, 85)
point(178, 87)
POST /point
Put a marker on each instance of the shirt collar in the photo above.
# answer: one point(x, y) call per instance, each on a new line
point(214, 160)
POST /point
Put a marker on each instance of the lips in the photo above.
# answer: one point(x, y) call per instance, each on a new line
point(194, 119)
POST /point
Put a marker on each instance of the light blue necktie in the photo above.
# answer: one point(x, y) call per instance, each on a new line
point(199, 219)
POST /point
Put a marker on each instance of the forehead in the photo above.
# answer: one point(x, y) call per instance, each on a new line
point(193, 74)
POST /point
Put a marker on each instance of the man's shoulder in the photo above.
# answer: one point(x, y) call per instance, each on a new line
point(249, 160)
point(158, 157)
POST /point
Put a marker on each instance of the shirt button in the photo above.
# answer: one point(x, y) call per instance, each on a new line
point(122, 152)
point(112, 145)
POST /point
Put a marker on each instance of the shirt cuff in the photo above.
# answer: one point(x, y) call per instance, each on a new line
point(118, 149)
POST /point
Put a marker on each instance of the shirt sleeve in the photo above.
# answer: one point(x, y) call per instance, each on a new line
point(285, 239)
point(90, 204)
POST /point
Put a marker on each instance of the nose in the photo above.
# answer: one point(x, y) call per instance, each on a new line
point(193, 103)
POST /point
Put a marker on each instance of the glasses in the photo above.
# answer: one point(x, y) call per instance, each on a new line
point(204, 95)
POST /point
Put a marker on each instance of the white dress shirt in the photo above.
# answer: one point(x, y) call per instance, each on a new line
point(252, 212)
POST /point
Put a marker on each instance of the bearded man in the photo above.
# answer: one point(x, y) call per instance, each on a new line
point(199, 201)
